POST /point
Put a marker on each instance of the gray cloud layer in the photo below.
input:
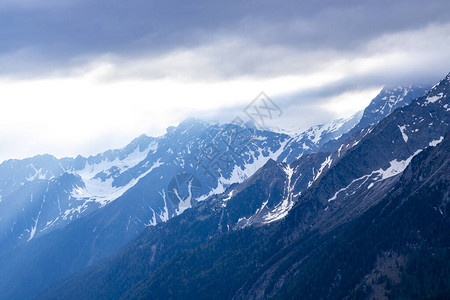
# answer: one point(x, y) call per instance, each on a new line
point(47, 36)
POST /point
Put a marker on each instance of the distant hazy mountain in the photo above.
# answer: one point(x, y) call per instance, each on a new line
point(42, 193)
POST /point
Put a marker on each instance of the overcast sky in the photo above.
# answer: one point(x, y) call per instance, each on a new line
point(83, 76)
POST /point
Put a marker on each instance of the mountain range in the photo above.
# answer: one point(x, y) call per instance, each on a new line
point(233, 211)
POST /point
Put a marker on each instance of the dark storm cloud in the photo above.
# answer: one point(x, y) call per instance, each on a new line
point(44, 37)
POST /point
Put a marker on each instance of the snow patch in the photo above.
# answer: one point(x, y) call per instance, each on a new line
point(152, 222)
point(402, 130)
point(39, 174)
point(225, 200)
point(186, 203)
point(36, 220)
point(396, 167)
point(283, 208)
point(103, 192)
point(435, 142)
point(164, 215)
point(432, 99)
point(348, 186)
point(326, 163)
